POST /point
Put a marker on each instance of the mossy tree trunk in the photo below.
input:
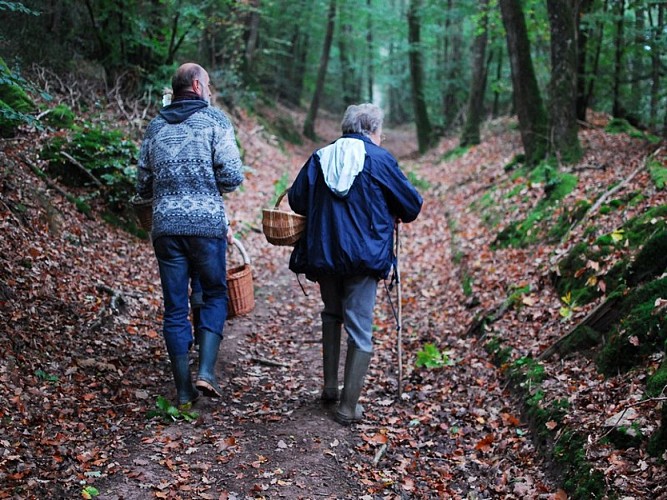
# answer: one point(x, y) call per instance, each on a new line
point(527, 98)
point(563, 99)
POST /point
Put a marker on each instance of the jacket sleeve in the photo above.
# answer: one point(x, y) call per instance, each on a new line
point(297, 195)
point(403, 200)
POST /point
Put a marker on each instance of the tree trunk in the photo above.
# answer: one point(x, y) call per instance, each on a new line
point(309, 124)
point(583, 36)
point(424, 129)
point(470, 135)
point(348, 75)
point(593, 73)
point(656, 67)
point(527, 99)
point(496, 94)
point(563, 101)
point(617, 109)
point(451, 64)
point(251, 35)
point(369, 49)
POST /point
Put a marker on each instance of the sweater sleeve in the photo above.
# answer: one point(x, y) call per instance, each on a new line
point(144, 183)
point(227, 162)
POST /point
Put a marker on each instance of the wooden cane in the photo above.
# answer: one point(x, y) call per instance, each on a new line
point(399, 337)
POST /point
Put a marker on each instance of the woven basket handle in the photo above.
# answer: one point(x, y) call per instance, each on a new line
point(280, 198)
point(240, 247)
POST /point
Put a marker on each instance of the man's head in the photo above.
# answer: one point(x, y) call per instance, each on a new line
point(365, 119)
point(191, 78)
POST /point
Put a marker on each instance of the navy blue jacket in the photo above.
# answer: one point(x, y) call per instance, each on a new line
point(351, 192)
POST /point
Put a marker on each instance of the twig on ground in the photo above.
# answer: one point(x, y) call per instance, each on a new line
point(269, 362)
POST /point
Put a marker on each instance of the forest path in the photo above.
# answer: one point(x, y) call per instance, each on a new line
point(269, 436)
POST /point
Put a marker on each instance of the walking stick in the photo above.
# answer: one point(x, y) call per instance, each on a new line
point(399, 336)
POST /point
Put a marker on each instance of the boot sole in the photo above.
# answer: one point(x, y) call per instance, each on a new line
point(208, 389)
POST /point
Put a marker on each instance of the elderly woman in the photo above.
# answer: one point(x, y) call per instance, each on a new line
point(352, 193)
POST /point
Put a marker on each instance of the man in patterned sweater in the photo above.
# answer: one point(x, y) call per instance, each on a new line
point(188, 159)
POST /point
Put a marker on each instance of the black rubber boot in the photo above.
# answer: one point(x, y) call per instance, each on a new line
point(330, 360)
point(356, 366)
point(185, 391)
point(209, 343)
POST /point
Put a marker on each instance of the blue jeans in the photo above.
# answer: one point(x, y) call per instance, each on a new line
point(350, 301)
point(177, 257)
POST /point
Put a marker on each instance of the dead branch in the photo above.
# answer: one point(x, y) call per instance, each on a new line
point(607, 194)
point(269, 362)
point(83, 169)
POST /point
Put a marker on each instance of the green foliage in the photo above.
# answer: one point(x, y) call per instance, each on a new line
point(417, 182)
point(455, 153)
point(657, 382)
point(89, 492)
point(495, 348)
point(16, 7)
point(657, 445)
point(170, 413)
point(108, 155)
point(41, 374)
point(61, 117)
point(658, 173)
point(430, 357)
point(15, 103)
point(528, 370)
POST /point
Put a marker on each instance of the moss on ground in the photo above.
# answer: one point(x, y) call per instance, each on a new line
point(642, 329)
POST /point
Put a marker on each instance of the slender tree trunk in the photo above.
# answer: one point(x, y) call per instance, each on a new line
point(583, 36)
point(527, 98)
point(617, 109)
point(251, 35)
point(309, 124)
point(636, 63)
point(470, 135)
point(424, 129)
point(596, 60)
point(496, 94)
point(451, 64)
point(563, 100)
point(656, 67)
point(370, 63)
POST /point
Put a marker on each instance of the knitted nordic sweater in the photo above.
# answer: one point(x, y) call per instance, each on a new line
point(185, 166)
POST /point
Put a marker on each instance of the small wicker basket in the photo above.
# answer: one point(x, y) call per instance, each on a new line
point(280, 227)
point(239, 285)
point(144, 211)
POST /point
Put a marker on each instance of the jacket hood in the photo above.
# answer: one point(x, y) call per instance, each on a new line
point(180, 111)
point(341, 162)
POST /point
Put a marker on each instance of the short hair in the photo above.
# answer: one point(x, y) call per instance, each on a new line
point(184, 76)
point(365, 119)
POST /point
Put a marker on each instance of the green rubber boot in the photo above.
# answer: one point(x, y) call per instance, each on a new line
point(209, 343)
point(330, 360)
point(356, 366)
point(185, 392)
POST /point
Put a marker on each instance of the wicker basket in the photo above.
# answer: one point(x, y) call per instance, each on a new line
point(280, 227)
point(239, 286)
point(144, 211)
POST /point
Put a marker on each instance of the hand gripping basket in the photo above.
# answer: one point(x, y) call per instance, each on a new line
point(239, 286)
point(144, 211)
point(280, 227)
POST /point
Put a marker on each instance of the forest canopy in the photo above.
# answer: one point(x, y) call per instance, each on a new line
point(445, 66)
